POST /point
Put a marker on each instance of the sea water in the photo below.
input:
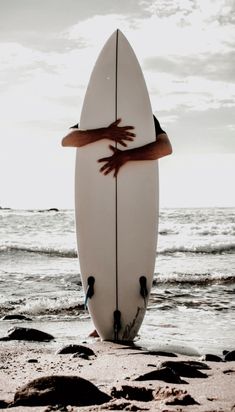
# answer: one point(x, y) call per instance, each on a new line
point(191, 306)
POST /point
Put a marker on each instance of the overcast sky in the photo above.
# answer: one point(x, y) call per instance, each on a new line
point(47, 51)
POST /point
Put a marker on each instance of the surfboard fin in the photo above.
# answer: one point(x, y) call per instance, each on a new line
point(143, 288)
point(117, 323)
point(90, 290)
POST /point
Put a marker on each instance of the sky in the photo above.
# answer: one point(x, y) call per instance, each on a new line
point(47, 51)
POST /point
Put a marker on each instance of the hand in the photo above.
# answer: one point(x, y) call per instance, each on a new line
point(119, 134)
point(113, 162)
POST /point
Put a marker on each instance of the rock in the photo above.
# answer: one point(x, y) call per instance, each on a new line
point(230, 356)
point(173, 396)
point(15, 317)
point(181, 368)
point(3, 404)
point(81, 356)
point(64, 390)
point(28, 334)
point(133, 393)
point(160, 353)
point(197, 365)
point(212, 358)
point(164, 374)
point(32, 361)
point(78, 349)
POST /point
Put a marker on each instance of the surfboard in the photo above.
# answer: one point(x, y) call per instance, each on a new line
point(116, 218)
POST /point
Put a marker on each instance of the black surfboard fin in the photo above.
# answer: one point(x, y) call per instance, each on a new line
point(116, 323)
point(143, 288)
point(90, 289)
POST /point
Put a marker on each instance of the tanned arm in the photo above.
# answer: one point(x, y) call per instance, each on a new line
point(120, 134)
point(152, 151)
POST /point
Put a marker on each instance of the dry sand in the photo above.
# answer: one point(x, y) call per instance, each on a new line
point(113, 366)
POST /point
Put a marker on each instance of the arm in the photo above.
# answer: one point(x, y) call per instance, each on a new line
point(152, 151)
point(79, 138)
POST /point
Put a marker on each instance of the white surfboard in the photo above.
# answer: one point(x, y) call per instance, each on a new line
point(116, 218)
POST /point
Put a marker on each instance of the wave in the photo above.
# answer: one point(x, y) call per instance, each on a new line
point(194, 278)
point(218, 248)
point(44, 306)
point(51, 251)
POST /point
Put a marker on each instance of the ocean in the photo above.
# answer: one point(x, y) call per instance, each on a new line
point(191, 307)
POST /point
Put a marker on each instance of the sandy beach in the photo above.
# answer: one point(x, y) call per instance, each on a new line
point(114, 369)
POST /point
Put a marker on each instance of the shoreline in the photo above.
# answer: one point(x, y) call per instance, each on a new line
point(115, 365)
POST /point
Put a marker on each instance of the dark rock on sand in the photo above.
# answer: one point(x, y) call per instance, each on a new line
point(64, 390)
point(81, 356)
point(164, 374)
point(196, 364)
point(79, 349)
point(160, 353)
point(133, 393)
point(230, 356)
point(3, 404)
point(28, 334)
point(181, 368)
point(173, 396)
point(212, 358)
point(15, 317)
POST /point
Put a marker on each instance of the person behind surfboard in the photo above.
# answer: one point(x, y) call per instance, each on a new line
point(121, 134)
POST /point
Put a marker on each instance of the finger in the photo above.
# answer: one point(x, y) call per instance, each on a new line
point(128, 138)
point(104, 159)
point(128, 127)
point(122, 143)
point(130, 134)
point(113, 148)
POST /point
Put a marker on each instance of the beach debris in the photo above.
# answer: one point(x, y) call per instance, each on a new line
point(135, 393)
point(173, 396)
point(230, 356)
point(16, 317)
point(211, 358)
point(63, 390)
point(229, 371)
point(182, 368)
point(76, 349)
point(28, 334)
point(163, 374)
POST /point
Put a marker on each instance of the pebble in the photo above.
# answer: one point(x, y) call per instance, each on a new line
point(76, 349)
point(211, 358)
